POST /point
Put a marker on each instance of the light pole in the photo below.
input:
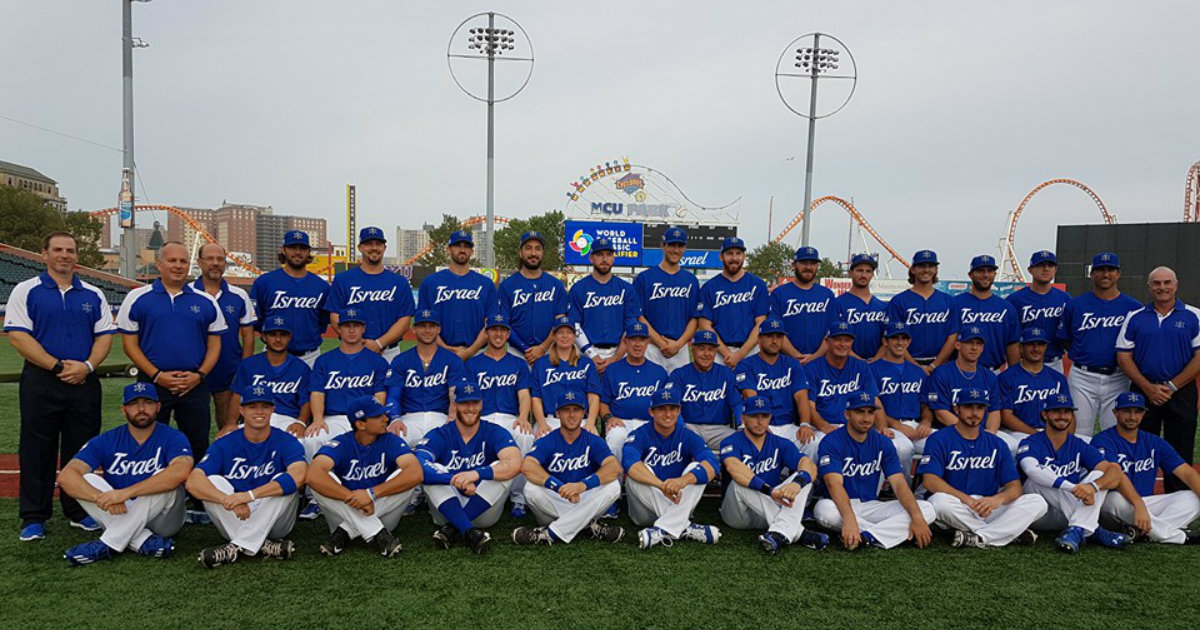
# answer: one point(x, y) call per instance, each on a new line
point(488, 41)
point(125, 199)
point(812, 63)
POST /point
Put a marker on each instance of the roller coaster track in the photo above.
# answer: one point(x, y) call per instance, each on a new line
point(1191, 195)
point(466, 223)
point(854, 213)
point(187, 218)
point(1008, 249)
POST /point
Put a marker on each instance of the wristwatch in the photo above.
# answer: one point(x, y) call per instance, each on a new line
point(58, 367)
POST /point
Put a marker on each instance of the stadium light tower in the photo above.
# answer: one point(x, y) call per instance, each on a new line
point(125, 200)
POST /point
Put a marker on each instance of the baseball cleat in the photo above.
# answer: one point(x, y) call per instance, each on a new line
point(707, 534)
point(1027, 537)
point(157, 547)
point(446, 536)
point(214, 557)
point(387, 543)
point(336, 542)
point(531, 536)
point(33, 531)
point(1191, 538)
point(601, 531)
point(310, 511)
point(813, 540)
point(198, 517)
point(963, 538)
point(518, 510)
point(87, 524)
point(281, 549)
point(1110, 539)
point(869, 540)
point(88, 553)
point(1070, 540)
point(613, 511)
point(1134, 534)
point(651, 536)
point(771, 542)
point(478, 540)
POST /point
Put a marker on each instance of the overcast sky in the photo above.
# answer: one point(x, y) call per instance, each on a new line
point(960, 109)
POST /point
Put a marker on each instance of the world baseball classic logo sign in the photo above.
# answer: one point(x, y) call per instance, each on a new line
point(626, 240)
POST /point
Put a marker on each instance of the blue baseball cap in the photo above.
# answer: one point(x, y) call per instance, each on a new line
point(772, 326)
point(925, 256)
point(363, 407)
point(864, 259)
point(426, 316)
point(1061, 400)
point(860, 400)
point(1044, 256)
point(347, 315)
point(756, 406)
point(807, 254)
point(370, 234)
point(461, 236)
point(296, 237)
point(637, 329)
point(664, 396)
point(497, 320)
point(1035, 334)
point(532, 235)
point(1130, 400)
point(705, 338)
point(840, 329)
point(1106, 259)
point(138, 390)
point(563, 321)
point(983, 261)
point(895, 329)
point(570, 397)
point(257, 393)
point(967, 333)
point(275, 322)
point(732, 242)
point(602, 244)
point(972, 396)
point(467, 391)
point(675, 236)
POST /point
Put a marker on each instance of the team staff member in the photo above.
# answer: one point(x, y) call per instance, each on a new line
point(460, 298)
point(1159, 350)
point(930, 314)
point(237, 342)
point(1041, 304)
point(670, 298)
point(602, 305)
point(734, 304)
point(804, 306)
point(995, 316)
point(865, 313)
point(297, 294)
point(1088, 330)
point(284, 375)
point(530, 301)
point(62, 327)
point(708, 395)
point(384, 296)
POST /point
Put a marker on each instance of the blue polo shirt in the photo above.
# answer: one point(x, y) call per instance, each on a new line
point(1161, 345)
point(732, 307)
point(300, 300)
point(929, 321)
point(806, 314)
point(125, 462)
point(238, 311)
point(627, 389)
point(866, 319)
point(383, 298)
point(172, 330)
point(531, 307)
point(65, 323)
point(460, 302)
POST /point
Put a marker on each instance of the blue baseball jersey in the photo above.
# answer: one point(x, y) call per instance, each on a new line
point(425, 388)
point(669, 300)
point(900, 387)
point(778, 382)
point(1025, 393)
point(603, 309)
point(499, 381)
point(235, 306)
point(1089, 327)
point(929, 321)
point(288, 383)
point(711, 397)
point(343, 377)
point(125, 462)
point(550, 381)
point(996, 318)
point(248, 465)
point(1140, 460)
point(866, 319)
point(460, 302)
point(172, 330)
point(806, 313)
point(981, 466)
point(1161, 346)
point(732, 307)
point(667, 457)
point(299, 300)
point(570, 462)
point(381, 298)
point(444, 445)
point(1041, 311)
point(862, 465)
point(627, 389)
point(1071, 462)
point(768, 463)
point(942, 387)
point(531, 307)
point(360, 467)
point(64, 323)
point(829, 387)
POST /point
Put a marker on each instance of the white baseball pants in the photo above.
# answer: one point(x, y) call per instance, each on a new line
point(615, 437)
point(1170, 514)
point(282, 422)
point(887, 521)
point(310, 357)
point(145, 516)
point(567, 519)
point(1065, 510)
point(270, 517)
point(524, 442)
point(743, 508)
point(334, 425)
point(918, 446)
point(788, 431)
point(1094, 395)
point(649, 506)
point(681, 358)
point(721, 360)
point(1000, 527)
point(388, 511)
point(492, 491)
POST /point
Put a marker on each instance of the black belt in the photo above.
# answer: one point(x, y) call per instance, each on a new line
point(1096, 370)
point(735, 343)
point(300, 352)
point(925, 361)
point(604, 346)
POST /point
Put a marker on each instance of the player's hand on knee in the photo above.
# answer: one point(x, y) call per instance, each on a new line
point(786, 494)
point(469, 490)
point(397, 427)
point(106, 500)
point(542, 429)
point(613, 423)
point(805, 435)
point(316, 428)
point(572, 491)
point(242, 512)
point(359, 500)
point(923, 431)
point(986, 506)
point(919, 533)
point(522, 426)
point(296, 429)
point(464, 478)
point(1084, 492)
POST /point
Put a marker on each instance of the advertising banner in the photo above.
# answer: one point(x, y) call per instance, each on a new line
point(625, 237)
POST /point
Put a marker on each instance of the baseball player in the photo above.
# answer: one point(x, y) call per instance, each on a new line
point(1088, 329)
point(384, 297)
point(248, 482)
point(130, 479)
point(364, 480)
point(865, 313)
point(771, 482)
point(1072, 476)
point(1025, 386)
point(947, 381)
point(420, 380)
point(572, 479)
point(930, 314)
point(670, 299)
point(297, 294)
point(973, 482)
point(900, 384)
point(468, 466)
point(1135, 509)
point(733, 305)
point(992, 314)
point(560, 368)
point(708, 394)
point(504, 384)
point(531, 300)
point(780, 380)
point(666, 469)
point(460, 299)
point(1040, 304)
point(237, 341)
point(284, 375)
point(602, 305)
point(627, 387)
point(854, 461)
point(804, 306)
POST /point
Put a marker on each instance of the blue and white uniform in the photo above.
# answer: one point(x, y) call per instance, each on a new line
point(670, 301)
point(550, 381)
point(420, 393)
point(830, 387)
point(866, 319)
point(778, 383)
point(237, 309)
point(500, 385)
point(288, 384)
point(900, 386)
point(570, 462)
point(301, 301)
point(776, 463)
point(1088, 330)
point(383, 299)
point(942, 388)
point(930, 321)
point(627, 390)
point(734, 307)
point(342, 377)
point(1054, 473)
point(460, 303)
point(1171, 513)
point(1042, 311)
point(360, 467)
point(531, 307)
point(806, 314)
point(1024, 393)
point(668, 457)
point(603, 310)
point(997, 319)
point(710, 401)
point(443, 453)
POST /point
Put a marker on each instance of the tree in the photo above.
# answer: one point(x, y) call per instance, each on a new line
point(829, 269)
point(508, 240)
point(770, 261)
point(26, 219)
point(438, 238)
point(87, 237)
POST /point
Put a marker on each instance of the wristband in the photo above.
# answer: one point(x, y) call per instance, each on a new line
point(552, 483)
point(486, 472)
point(251, 493)
point(591, 481)
point(201, 373)
point(804, 478)
point(286, 483)
point(91, 368)
point(756, 483)
point(1095, 486)
point(605, 417)
point(371, 493)
point(1171, 386)
point(156, 375)
point(700, 474)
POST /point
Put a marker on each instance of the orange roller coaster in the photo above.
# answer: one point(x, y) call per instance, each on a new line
point(466, 223)
point(854, 213)
point(1008, 250)
point(191, 222)
point(1191, 195)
